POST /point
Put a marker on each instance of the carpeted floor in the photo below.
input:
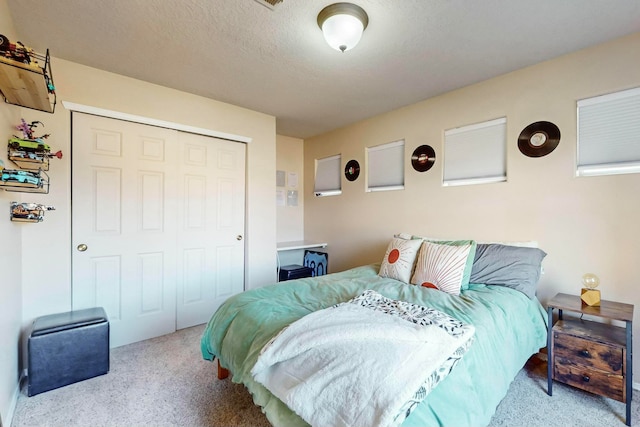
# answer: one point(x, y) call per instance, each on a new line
point(165, 382)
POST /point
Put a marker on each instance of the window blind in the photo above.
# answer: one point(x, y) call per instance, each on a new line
point(385, 167)
point(476, 153)
point(609, 134)
point(327, 181)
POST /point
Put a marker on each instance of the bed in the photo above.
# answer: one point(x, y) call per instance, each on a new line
point(510, 326)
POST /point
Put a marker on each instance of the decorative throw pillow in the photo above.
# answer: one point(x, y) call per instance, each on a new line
point(441, 266)
point(467, 268)
point(399, 259)
point(472, 252)
point(511, 266)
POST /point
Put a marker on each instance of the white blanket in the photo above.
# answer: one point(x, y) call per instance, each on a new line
point(353, 366)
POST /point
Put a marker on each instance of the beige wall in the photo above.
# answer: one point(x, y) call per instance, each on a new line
point(10, 249)
point(290, 219)
point(588, 224)
point(290, 158)
point(43, 284)
point(88, 86)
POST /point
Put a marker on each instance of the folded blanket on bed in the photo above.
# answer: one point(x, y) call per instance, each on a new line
point(359, 363)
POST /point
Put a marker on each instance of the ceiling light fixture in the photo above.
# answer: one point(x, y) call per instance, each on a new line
point(342, 25)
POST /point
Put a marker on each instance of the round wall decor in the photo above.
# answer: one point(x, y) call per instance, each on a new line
point(352, 170)
point(423, 158)
point(539, 139)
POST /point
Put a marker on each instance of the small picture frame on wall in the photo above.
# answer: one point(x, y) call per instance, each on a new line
point(292, 198)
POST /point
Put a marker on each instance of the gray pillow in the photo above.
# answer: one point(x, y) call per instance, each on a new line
point(511, 266)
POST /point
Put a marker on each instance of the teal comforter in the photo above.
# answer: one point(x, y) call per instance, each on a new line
point(509, 329)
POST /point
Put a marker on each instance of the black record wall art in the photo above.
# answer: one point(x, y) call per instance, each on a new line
point(352, 170)
point(423, 158)
point(539, 139)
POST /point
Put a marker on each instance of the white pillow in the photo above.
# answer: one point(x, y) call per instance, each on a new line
point(441, 267)
point(399, 259)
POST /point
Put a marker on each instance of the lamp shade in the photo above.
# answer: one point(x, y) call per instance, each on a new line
point(342, 25)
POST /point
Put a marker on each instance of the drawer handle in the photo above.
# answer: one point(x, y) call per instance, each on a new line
point(585, 353)
point(585, 378)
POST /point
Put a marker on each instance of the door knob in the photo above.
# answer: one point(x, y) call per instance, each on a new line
point(239, 237)
point(82, 247)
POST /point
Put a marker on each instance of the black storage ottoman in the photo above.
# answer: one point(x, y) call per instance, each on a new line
point(65, 348)
point(290, 272)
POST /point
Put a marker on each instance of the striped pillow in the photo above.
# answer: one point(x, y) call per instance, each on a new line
point(441, 266)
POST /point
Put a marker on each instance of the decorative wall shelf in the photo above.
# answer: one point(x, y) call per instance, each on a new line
point(28, 212)
point(16, 181)
point(26, 85)
point(28, 160)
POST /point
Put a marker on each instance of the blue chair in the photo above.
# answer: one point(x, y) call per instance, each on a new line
point(317, 262)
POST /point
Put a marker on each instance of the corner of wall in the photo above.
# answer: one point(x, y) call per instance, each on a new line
point(11, 289)
point(12, 406)
point(290, 160)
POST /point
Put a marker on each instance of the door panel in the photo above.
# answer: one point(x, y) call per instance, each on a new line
point(106, 285)
point(120, 188)
point(212, 212)
point(162, 216)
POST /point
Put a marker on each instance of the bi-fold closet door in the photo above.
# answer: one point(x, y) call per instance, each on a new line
point(158, 220)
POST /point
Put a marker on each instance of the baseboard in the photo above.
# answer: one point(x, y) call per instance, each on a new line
point(14, 400)
point(12, 407)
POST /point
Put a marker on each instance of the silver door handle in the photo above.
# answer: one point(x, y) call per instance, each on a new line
point(239, 237)
point(82, 247)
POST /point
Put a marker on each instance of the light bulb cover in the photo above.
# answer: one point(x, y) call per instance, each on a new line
point(342, 25)
point(590, 281)
point(589, 294)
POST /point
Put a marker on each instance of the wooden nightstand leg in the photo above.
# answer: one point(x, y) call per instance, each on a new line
point(549, 353)
point(629, 373)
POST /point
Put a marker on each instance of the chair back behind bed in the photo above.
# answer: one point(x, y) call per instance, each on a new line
point(316, 261)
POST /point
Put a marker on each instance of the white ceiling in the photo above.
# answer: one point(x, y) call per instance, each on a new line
point(276, 61)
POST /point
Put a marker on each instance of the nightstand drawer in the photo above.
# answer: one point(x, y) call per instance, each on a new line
point(589, 379)
point(588, 353)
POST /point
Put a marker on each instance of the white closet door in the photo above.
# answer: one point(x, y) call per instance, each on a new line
point(211, 222)
point(159, 213)
point(124, 215)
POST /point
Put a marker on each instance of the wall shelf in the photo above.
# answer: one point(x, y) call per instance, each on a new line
point(28, 160)
point(26, 85)
point(28, 212)
point(26, 185)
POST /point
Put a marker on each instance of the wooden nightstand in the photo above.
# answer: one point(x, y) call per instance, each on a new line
point(592, 356)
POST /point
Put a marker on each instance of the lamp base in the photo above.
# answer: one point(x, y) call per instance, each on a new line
point(590, 297)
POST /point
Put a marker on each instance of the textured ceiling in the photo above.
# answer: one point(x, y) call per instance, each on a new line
point(276, 61)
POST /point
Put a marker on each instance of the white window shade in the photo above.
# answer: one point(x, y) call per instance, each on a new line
point(609, 134)
point(476, 153)
point(328, 176)
point(385, 167)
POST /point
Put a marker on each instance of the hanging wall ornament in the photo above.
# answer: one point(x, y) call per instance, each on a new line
point(423, 158)
point(352, 170)
point(539, 139)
